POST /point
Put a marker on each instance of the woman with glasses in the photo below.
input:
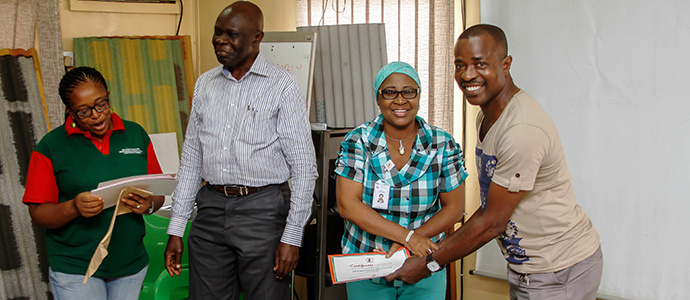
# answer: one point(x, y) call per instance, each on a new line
point(418, 171)
point(94, 145)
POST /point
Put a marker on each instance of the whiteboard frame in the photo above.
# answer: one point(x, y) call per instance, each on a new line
point(297, 37)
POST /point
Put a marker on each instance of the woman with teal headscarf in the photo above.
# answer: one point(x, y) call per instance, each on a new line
point(400, 184)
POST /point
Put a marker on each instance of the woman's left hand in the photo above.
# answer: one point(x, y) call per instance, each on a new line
point(421, 245)
point(136, 203)
point(394, 247)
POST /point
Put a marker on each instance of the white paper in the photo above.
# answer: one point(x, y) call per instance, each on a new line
point(158, 184)
point(165, 146)
point(350, 267)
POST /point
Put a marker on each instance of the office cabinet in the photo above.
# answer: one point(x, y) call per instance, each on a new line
point(324, 231)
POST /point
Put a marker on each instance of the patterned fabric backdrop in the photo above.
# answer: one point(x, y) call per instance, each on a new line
point(24, 268)
point(149, 78)
point(36, 24)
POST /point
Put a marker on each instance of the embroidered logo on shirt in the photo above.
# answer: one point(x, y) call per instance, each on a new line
point(131, 151)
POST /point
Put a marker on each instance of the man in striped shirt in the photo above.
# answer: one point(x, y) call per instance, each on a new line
point(248, 134)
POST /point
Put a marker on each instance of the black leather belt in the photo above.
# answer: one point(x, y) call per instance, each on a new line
point(237, 190)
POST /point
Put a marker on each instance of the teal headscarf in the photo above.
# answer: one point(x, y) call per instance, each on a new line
point(395, 67)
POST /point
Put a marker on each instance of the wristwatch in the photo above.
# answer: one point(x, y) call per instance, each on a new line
point(432, 264)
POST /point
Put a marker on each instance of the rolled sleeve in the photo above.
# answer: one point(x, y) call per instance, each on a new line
point(350, 162)
point(523, 149)
point(454, 172)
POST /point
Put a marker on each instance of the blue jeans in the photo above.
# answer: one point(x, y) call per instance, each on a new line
point(71, 287)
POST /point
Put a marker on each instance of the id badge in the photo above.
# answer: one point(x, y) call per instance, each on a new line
point(381, 195)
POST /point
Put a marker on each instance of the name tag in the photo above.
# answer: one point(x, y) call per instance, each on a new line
point(381, 195)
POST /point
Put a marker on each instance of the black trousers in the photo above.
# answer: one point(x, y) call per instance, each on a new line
point(232, 245)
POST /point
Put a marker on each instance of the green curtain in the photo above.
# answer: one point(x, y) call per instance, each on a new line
point(149, 78)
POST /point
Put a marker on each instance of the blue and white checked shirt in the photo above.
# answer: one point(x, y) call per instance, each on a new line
point(254, 132)
point(436, 165)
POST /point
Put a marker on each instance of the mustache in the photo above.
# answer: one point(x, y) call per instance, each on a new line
point(478, 82)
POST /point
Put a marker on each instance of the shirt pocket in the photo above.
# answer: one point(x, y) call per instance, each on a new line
point(259, 128)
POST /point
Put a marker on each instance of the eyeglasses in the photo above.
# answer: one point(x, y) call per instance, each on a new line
point(391, 94)
point(99, 107)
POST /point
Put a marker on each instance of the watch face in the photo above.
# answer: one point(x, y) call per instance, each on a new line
point(433, 266)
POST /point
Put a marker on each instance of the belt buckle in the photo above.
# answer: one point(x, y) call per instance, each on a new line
point(226, 187)
point(244, 191)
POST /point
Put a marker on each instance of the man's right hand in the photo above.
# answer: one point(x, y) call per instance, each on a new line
point(173, 255)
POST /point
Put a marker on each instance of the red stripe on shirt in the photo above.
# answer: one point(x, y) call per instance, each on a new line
point(153, 166)
point(41, 186)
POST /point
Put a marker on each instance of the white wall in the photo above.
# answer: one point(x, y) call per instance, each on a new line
point(613, 76)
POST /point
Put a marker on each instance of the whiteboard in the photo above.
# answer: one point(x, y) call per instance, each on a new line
point(613, 76)
point(490, 261)
point(165, 146)
point(294, 52)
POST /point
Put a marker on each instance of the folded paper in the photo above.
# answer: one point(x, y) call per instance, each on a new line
point(102, 248)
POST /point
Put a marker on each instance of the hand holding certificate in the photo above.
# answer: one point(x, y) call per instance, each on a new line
point(351, 267)
point(157, 184)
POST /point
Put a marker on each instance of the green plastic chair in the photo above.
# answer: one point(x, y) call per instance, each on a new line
point(155, 241)
point(172, 288)
point(158, 285)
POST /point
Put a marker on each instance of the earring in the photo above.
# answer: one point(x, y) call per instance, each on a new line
point(74, 125)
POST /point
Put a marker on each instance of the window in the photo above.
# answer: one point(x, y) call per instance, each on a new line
point(419, 32)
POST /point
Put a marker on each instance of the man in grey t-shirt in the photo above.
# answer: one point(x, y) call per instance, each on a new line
point(528, 205)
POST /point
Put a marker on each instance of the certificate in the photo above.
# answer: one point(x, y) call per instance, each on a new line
point(351, 267)
point(157, 184)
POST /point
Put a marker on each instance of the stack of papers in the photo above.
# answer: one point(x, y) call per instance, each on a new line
point(157, 184)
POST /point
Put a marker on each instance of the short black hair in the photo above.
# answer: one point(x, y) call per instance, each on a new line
point(77, 76)
point(496, 33)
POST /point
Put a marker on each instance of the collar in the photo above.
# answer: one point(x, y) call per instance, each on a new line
point(420, 158)
point(377, 141)
point(117, 125)
point(259, 67)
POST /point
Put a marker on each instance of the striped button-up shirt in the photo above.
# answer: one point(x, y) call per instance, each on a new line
point(436, 166)
point(253, 131)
